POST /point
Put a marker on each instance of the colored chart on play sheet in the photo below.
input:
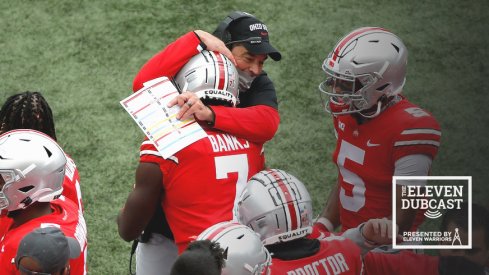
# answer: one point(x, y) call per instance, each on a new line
point(148, 107)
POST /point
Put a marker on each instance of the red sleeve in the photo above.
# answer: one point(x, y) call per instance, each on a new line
point(5, 223)
point(255, 123)
point(381, 264)
point(71, 183)
point(402, 263)
point(170, 60)
point(422, 136)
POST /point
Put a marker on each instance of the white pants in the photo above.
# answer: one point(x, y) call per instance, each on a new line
point(156, 257)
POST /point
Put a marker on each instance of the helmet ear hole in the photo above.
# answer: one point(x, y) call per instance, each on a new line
point(26, 189)
point(47, 151)
point(225, 254)
point(381, 88)
point(395, 47)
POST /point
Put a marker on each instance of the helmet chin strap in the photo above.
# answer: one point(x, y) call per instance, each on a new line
point(377, 112)
point(383, 103)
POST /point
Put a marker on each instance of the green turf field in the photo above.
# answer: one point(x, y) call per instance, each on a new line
point(83, 56)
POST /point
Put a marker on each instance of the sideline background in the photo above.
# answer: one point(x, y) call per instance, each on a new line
point(83, 55)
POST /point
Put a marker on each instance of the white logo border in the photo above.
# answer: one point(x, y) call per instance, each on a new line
point(394, 233)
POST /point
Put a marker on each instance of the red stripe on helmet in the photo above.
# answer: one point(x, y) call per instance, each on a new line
point(222, 75)
point(290, 205)
point(220, 229)
point(349, 37)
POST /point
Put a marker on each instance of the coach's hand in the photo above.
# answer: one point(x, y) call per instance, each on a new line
point(191, 105)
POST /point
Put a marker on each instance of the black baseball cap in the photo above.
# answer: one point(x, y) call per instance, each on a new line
point(49, 247)
point(248, 28)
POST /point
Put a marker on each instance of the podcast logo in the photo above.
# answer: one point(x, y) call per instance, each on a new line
point(432, 196)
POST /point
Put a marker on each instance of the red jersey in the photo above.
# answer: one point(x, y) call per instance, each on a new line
point(403, 263)
point(336, 255)
point(71, 183)
point(366, 154)
point(202, 182)
point(257, 123)
point(66, 216)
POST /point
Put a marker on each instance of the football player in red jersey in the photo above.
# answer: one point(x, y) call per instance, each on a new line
point(198, 186)
point(256, 117)
point(277, 206)
point(380, 134)
point(30, 110)
point(32, 168)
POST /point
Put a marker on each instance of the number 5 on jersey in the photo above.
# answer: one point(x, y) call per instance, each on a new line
point(356, 200)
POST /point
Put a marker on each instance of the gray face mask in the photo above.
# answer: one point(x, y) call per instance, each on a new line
point(245, 81)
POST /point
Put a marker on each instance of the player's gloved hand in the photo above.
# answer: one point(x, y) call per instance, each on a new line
point(378, 232)
point(321, 229)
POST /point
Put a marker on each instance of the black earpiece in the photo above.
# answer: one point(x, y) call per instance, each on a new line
point(222, 29)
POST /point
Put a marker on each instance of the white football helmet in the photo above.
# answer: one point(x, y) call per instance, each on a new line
point(244, 252)
point(365, 67)
point(277, 206)
point(32, 167)
point(210, 75)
